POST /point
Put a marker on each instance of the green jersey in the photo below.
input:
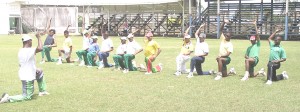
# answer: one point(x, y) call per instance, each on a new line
point(276, 52)
point(253, 50)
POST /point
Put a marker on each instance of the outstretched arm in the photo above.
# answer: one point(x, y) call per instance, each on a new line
point(198, 31)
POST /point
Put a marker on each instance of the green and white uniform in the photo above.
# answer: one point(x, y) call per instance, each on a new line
point(27, 74)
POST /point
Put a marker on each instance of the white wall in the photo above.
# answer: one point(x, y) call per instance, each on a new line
point(4, 18)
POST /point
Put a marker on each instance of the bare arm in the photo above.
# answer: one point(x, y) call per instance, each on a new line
point(222, 25)
point(47, 29)
point(158, 52)
point(273, 35)
point(68, 27)
point(256, 30)
point(138, 52)
point(187, 31)
point(198, 31)
point(226, 55)
point(39, 48)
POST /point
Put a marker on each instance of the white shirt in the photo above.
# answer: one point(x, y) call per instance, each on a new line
point(27, 69)
point(85, 43)
point(201, 48)
point(107, 44)
point(121, 49)
point(133, 47)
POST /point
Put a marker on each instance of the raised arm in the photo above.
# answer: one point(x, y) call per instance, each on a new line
point(198, 31)
point(187, 31)
point(222, 25)
point(47, 29)
point(273, 35)
point(39, 48)
point(68, 27)
point(256, 30)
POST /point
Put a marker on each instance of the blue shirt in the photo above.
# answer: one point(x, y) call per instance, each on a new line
point(94, 47)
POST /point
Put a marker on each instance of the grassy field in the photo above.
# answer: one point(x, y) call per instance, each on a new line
point(75, 88)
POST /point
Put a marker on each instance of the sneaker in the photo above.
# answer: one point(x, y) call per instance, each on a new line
point(285, 75)
point(125, 71)
point(269, 82)
point(142, 66)
point(148, 73)
point(246, 77)
point(232, 71)
point(219, 76)
point(185, 72)
point(134, 63)
point(59, 62)
point(89, 66)
point(43, 93)
point(42, 62)
point(177, 73)
point(81, 63)
point(212, 72)
point(262, 72)
point(5, 98)
point(161, 66)
point(190, 75)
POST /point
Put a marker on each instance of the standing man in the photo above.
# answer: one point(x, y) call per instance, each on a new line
point(226, 48)
point(66, 50)
point(48, 44)
point(133, 48)
point(184, 55)
point(201, 50)
point(252, 54)
point(277, 55)
point(92, 52)
point(82, 54)
point(119, 56)
point(106, 47)
point(28, 72)
point(152, 50)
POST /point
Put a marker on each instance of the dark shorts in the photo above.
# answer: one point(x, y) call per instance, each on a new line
point(251, 68)
point(227, 61)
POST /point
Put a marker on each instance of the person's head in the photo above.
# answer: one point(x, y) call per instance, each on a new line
point(149, 36)
point(66, 34)
point(27, 41)
point(123, 40)
point(51, 32)
point(227, 36)
point(105, 34)
point(85, 33)
point(95, 38)
point(130, 37)
point(277, 40)
point(253, 39)
point(187, 38)
point(202, 37)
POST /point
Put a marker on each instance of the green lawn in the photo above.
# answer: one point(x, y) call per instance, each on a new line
point(75, 88)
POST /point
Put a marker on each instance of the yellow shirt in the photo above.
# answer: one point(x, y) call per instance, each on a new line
point(225, 46)
point(67, 44)
point(151, 47)
point(186, 48)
